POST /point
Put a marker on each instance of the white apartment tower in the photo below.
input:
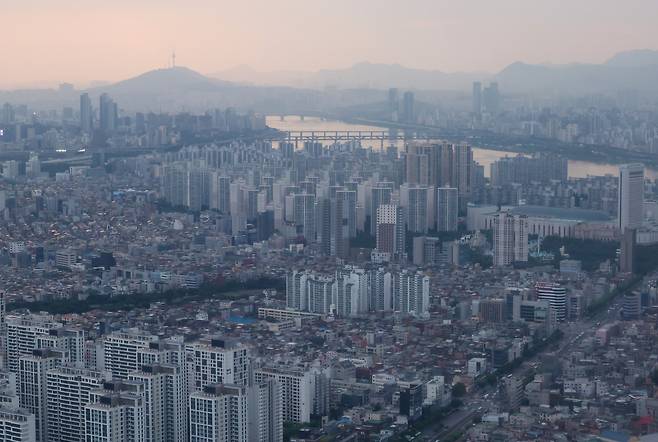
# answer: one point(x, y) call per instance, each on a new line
point(236, 413)
point(165, 402)
point(17, 426)
point(219, 413)
point(219, 361)
point(411, 293)
point(116, 413)
point(68, 390)
point(510, 239)
point(297, 390)
point(32, 385)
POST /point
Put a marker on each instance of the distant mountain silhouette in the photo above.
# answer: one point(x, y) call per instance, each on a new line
point(160, 80)
point(180, 88)
point(621, 73)
point(634, 59)
point(630, 70)
point(363, 75)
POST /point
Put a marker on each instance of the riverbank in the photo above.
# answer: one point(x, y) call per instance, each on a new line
point(604, 155)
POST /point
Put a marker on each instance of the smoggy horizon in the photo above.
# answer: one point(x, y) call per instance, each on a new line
point(80, 41)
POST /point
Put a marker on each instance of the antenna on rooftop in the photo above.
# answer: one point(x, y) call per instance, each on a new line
point(173, 59)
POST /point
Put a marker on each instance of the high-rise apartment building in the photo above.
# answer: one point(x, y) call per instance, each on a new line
point(17, 426)
point(417, 209)
point(237, 413)
point(631, 196)
point(304, 215)
point(411, 293)
point(86, 114)
point(380, 194)
point(447, 208)
point(297, 390)
point(118, 352)
point(32, 385)
point(165, 402)
point(381, 286)
point(219, 361)
point(476, 106)
point(391, 234)
point(116, 413)
point(108, 114)
point(510, 239)
point(22, 332)
point(68, 390)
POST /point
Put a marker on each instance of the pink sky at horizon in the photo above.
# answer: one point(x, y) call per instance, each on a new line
point(45, 42)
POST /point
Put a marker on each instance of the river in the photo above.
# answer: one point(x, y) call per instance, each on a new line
point(577, 169)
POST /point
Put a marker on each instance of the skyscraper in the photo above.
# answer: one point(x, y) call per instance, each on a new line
point(393, 103)
point(86, 114)
point(235, 413)
point(631, 196)
point(510, 239)
point(32, 371)
point(219, 361)
point(297, 390)
point(408, 108)
point(17, 426)
point(68, 391)
point(165, 400)
point(108, 114)
point(381, 194)
point(491, 97)
point(391, 231)
point(411, 293)
point(477, 98)
point(447, 209)
point(417, 209)
point(116, 413)
point(304, 215)
point(462, 165)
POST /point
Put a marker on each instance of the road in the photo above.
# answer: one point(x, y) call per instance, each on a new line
point(480, 400)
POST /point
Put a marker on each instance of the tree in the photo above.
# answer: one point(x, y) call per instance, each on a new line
point(458, 390)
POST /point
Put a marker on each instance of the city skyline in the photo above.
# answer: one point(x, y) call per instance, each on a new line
point(428, 36)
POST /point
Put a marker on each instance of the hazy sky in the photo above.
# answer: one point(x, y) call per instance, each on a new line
point(83, 40)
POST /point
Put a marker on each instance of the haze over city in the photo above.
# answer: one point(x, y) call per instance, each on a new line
point(93, 40)
point(328, 221)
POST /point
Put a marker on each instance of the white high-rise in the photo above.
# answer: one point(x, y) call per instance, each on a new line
point(116, 413)
point(165, 402)
point(219, 361)
point(236, 413)
point(411, 293)
point(630, 196)
point(297, 390)
point(17, 426)
point(118, 352)
point(510, 239)
point(22, 332)
point(32, 383)
point(68, 391)
point(350, 292)
point(219, 413)
point(380, 282)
